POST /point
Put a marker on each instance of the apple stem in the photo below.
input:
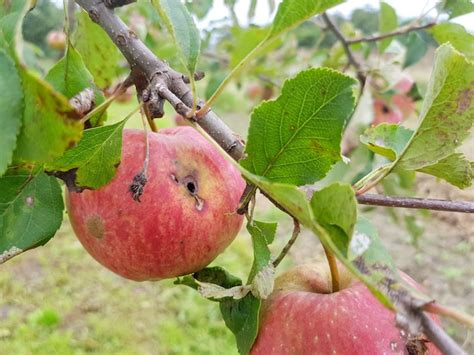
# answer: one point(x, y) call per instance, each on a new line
point(149, 119)
point(334, 270)
point(147, 143)
point(287, 247)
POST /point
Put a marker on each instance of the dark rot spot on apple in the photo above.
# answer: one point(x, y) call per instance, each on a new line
point(95, 226)
point(191, 184)
point(191, 187)
point(385, 109)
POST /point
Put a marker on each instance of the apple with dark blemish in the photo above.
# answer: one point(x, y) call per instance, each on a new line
point(302, 316)
point(186, 217)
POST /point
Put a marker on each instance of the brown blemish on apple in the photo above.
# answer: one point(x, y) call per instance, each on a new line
point(95, 226)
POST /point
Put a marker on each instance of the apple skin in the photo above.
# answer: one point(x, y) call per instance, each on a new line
point(385, 114)
point(56, 40)
point(303, 317)
point(172, 231)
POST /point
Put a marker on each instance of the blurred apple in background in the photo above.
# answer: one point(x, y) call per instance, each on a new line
point(56, 40)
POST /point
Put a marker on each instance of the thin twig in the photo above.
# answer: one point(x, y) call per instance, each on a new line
point(448, 312)
point(287, 247)
point(439, 337)
point(400, 31)
point(350, 56)
point(418, 203)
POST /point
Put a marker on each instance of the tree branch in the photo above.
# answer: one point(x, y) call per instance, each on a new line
point(350, 56)
point(419, 203)
point(439, 337)
point(400, 31)
point(157, 73)
point(117, 3)
point(407, 202)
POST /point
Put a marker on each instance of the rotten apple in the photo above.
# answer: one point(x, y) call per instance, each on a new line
point(186, 217)
point(302, 316)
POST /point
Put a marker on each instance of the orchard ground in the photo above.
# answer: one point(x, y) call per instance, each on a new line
point(57, 300)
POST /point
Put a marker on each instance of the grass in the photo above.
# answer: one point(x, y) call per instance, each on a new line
point(57, 300)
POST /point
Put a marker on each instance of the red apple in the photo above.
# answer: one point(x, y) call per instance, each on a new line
point(186, 216)
point(303, 317)
point(56, 40)
point(254, 91)
point(385, 114)
point(404, 85)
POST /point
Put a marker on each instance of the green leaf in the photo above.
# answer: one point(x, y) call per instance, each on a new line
point(447, 113)
point(182, 28)
point(97, 50)
point(296, 138)
point(291, 13)
point(213, 82)
point(217, 275)
point(262, 234)
point(390, 141)
point(244, 40)
point(335, 209)
point(50, 124)
point(31, 210)
point(416, 48)
point(387, 140)
point(11, 19)
point(95, 158)
point(366, 248)
point(388, 22)
point(11, 109)
point(457, 8)
point(455, 169)
point(199, 7)
point(455, 34)
point(70, 76)
point(242, 318)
